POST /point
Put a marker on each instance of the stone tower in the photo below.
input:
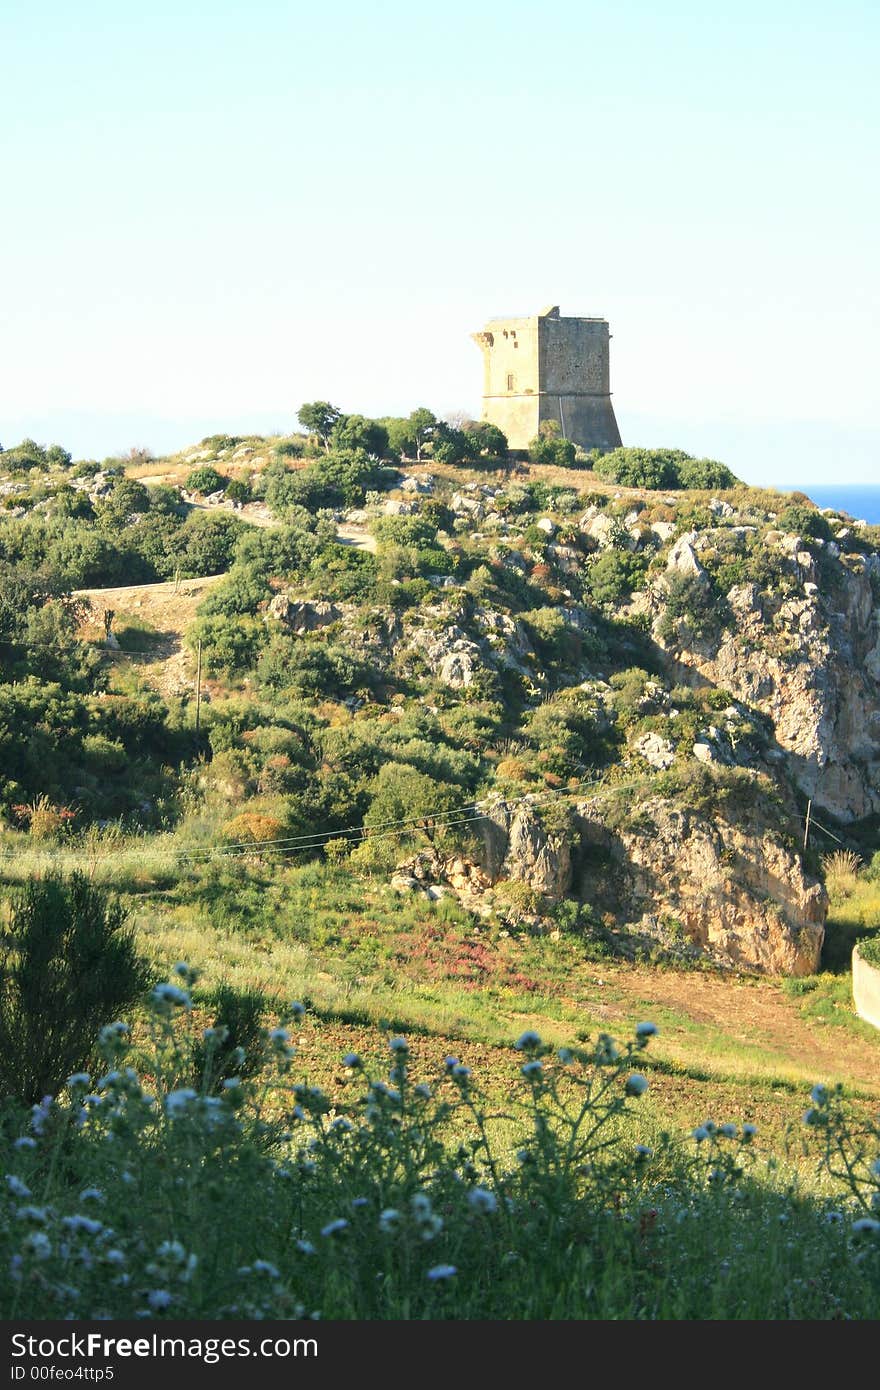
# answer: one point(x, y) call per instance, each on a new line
point(548, 368)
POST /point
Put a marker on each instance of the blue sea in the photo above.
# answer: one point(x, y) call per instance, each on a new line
point(861, 500)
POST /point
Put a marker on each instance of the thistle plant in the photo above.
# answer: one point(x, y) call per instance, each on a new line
point(152, 1187)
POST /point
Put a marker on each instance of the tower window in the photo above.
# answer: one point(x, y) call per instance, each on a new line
point(510, 381)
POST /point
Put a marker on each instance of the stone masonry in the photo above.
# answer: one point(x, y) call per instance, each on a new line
point(548, 368)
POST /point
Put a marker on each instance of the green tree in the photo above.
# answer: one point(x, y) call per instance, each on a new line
point(401, 794)
point(486, 440)
point(357, 432)
point(319, 417)
point(421, 423)
point(448, 445)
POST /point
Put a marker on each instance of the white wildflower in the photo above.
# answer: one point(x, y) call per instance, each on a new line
point(171, 996)
point(38, 1215)
point(39, 1245)
point(113, 1033)
point(335, 1228)
point(482, 1200)
point(177, 1102)
point(40, 1114)
point(866, 1226)
point(87, 1224)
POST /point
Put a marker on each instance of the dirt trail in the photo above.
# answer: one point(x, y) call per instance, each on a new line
point(754, 1013)
point(169, 608)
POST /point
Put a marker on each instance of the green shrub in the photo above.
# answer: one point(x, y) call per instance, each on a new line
point(69, 966)
point(804, 520)
point(659, 469)
point(205, 480)
point(549, 449)
point(613, 576)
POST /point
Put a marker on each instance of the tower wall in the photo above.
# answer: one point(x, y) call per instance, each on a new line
point(549, 368)
point(575, 380)
point(511, 352)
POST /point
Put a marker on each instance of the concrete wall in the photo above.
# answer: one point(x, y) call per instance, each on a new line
point(548, 368)
point(866, 989)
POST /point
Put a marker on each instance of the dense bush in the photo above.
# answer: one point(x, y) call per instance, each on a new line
point(68, 965)
point(206, 479)
point(804, 520)
point(692, 601)
point(551, 449)
point(340, 478)
point(661, 469)
point(612, 576)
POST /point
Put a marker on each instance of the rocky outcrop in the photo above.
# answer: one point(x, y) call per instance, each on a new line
point(301, 616)
point(520, 847)
point(434, 874)
point(737, 889)
point(811, 661)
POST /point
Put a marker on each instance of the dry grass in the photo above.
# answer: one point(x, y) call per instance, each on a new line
point(841, 870)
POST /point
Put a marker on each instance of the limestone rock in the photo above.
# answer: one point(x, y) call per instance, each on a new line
point(656, 750)
point(683, 558)
point(302, 616)
point(734, 884)
point(518, 847)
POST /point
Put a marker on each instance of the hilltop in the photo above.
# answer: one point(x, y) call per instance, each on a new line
point(575, 698)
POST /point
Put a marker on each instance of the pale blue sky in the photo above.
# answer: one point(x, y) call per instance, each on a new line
point(212, 213)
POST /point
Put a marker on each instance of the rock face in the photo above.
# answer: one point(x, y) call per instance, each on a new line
point(656, 750)
point(812, 663)
point(734, 885)
point(519, 847)
point(302, 616)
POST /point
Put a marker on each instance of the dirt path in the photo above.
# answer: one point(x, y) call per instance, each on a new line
point(166, 609)
point(358, 536)
point(761, 1028)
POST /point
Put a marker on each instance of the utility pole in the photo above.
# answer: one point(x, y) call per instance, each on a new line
point(198, 686)
point(807, 824)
